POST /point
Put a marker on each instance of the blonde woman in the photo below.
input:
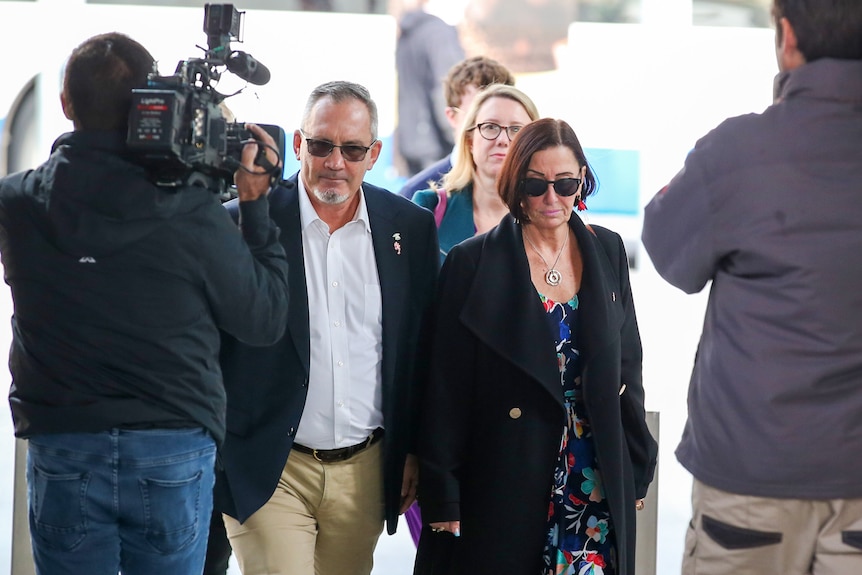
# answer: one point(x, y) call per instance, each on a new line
point(467, 203)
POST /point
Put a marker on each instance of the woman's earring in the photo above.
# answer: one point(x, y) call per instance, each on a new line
point(580, 203)
point(579, 200)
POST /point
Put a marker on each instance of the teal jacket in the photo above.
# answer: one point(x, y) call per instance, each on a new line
point(457, 224)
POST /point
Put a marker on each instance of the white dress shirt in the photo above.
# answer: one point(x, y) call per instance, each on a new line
point(345, 402)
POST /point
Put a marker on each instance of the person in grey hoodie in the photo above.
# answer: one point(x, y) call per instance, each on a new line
point(120, 288)
point(427, 47)
point(768, 208)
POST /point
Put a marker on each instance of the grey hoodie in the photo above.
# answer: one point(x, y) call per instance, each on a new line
point(769, 209)
point(427, 47)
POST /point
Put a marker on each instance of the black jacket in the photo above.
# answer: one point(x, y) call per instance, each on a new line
point(267, 386)
point(494, 411)
point(120, 288)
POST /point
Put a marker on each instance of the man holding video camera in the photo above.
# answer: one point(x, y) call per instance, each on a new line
point(120, 288)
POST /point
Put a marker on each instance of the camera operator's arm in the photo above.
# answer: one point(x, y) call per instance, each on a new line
point(265, 280)
point(253, 179)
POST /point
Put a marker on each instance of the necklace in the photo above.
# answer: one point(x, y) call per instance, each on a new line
point(552, 277)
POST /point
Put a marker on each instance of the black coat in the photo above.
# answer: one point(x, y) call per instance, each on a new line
point(267, 387)
point(493, 411)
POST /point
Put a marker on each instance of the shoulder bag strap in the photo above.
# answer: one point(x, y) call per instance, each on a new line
point(440, 209)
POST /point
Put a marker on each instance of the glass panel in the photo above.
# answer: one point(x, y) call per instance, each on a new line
point(355, 6)
point(525, 34)
point(744, 13)
point(608, 10)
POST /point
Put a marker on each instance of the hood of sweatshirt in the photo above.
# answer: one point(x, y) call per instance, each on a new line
point(98, 201)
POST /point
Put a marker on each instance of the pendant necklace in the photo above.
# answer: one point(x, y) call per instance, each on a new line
point(552, 277)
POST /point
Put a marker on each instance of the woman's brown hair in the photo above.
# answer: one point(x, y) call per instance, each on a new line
point(535, 137)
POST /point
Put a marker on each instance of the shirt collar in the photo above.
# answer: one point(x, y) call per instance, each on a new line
point(308, 215)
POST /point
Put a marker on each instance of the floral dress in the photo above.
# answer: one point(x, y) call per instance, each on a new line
point(580, 538)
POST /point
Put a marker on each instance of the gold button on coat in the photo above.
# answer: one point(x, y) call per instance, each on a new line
point(515, 412)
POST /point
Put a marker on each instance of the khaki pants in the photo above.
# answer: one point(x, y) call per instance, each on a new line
point(741, 535)
point(323, 519)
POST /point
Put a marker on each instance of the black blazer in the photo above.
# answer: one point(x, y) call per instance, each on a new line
point(493, 412)
point(267, 386)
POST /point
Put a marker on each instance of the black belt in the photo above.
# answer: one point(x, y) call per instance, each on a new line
point(334, 455)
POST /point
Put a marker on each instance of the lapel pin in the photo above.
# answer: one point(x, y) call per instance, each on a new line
point(613, 296)
point(397, 244)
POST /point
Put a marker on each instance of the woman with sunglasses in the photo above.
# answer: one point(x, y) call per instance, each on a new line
point(466, 201)
point(534, 450)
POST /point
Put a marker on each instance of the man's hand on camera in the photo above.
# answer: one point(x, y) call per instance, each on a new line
point(252, 180)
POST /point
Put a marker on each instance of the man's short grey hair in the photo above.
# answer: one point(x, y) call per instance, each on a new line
point(339, 91)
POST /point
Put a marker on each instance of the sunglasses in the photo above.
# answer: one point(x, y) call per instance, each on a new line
point(565, 187)
point(350, 152)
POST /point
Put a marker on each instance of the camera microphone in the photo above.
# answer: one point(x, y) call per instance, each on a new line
point(247, 68)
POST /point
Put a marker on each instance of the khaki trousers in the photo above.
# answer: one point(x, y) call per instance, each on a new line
point(323, 519)
point(741, 535)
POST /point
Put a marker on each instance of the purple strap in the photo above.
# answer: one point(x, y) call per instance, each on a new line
point(440, 209)
point(414, 522)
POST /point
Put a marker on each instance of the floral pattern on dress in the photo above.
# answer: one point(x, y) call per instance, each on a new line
point(580, 538)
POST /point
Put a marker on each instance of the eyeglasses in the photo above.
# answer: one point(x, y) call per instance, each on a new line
point(491, 131)
point(565, 187)
point(350, 152)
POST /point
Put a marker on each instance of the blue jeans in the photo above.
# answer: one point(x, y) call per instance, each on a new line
point(136, 502)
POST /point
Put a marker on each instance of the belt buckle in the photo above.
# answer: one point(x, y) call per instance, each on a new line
point(348, 451)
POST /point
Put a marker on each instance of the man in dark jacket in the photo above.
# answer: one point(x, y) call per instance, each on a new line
point(120, 288)
point(462, 83)
point(425, 50)
point(322, 425)
point(768, 209)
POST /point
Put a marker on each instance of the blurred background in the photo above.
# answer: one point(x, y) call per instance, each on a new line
point(639, 80)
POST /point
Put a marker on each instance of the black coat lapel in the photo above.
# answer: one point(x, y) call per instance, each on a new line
point(600, 319)
point(392, 251)
point(504, 311)
point(284, 209)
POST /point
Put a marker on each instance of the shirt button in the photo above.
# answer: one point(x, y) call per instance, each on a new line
point(334, 284)
point(336, 323)
point(340, 364)
point(340, 404)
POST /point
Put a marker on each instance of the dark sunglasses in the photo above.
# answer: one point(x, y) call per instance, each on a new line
point(565, 187)
point(350, 152)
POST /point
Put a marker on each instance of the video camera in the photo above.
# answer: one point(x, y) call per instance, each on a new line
point(177, 128)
